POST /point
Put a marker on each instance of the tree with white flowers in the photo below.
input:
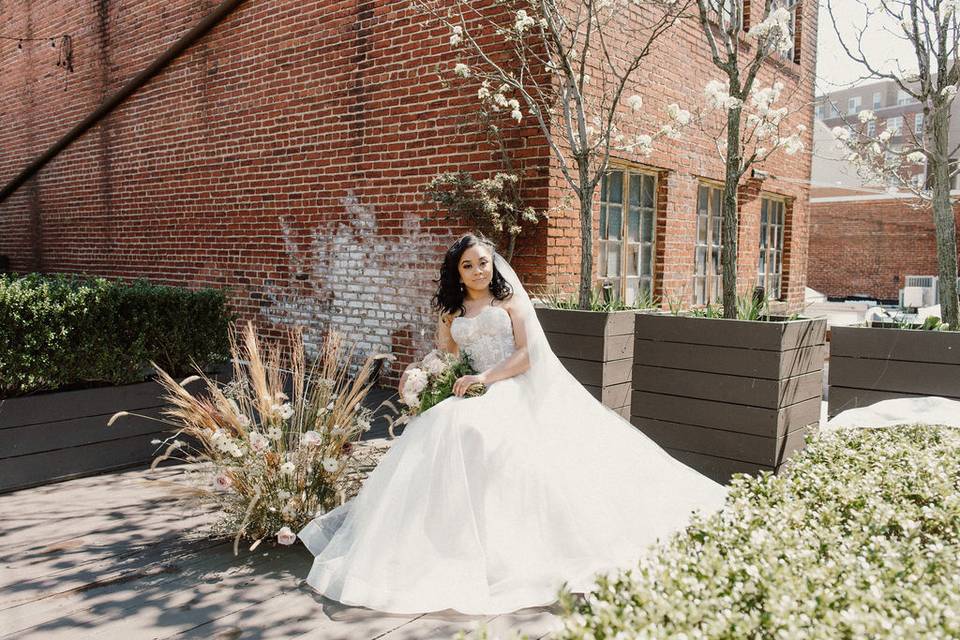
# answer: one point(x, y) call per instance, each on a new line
point(750, 127)
point(931, 29)
point(564, 65)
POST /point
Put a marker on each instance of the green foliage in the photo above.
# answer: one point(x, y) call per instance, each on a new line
point(748, 308)
point(441, 387)
point(60, 330)
point(859, 538)
point(598, 301)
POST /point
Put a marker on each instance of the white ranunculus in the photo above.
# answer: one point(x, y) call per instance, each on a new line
point(274, 433)
point(288, 468)
point(330, 465)
point(416, 382)
point(285, 536)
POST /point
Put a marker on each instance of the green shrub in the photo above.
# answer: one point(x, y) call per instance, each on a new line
point(61, 330)
point(860, 539)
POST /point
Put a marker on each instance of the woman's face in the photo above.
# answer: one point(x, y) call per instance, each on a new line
point(476, 269)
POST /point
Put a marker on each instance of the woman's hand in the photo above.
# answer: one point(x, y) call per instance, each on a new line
point(463, 384)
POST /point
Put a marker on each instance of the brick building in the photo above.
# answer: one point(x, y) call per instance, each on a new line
point(864, 239)
point(283, 155)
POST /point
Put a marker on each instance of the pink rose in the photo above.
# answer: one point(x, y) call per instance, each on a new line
point(222, 482)
point(285, 536)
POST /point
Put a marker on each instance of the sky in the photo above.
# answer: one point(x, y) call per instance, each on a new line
point(835, 70)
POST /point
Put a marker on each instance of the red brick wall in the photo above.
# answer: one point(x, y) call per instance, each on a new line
point(284, 156)
point(868, 246)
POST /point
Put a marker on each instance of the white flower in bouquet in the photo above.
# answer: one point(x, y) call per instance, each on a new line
point(330, 464)
point(283, 494)
point(274, 433)
point(285, 536)
point(287, 468)
point(243, 420)
point(417, 381)
point(236, 450)
point(434, 363)
point(222, 482)
point(258, 443)
point(310, 438)
point(337, 431)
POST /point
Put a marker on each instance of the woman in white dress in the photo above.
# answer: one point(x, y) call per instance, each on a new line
point(487, 505)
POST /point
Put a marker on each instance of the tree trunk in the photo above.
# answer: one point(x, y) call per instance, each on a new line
point(586, 237)
point(943, 219)
point(731, 180)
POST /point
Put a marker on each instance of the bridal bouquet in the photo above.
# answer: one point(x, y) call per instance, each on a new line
point(431, 380)
point(273, 461)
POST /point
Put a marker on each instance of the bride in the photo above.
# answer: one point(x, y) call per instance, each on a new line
point(487, 505)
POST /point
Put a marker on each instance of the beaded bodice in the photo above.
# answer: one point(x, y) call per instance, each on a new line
point(486, 337)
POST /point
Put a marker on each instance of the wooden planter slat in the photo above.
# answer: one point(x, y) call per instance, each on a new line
point(896, 344)
point(615, 396)
point(721, 415)
point(66, 405)
point(771, 365)
point(920, 378)
point(736, 391)
point(585, 323)
point(717, 468)
point(596, 348)
point(37, 438)
point(758, 392)
point(740, 334)
point(591, 372)
point(868, 365)
point(724, 444)
point(53, 466)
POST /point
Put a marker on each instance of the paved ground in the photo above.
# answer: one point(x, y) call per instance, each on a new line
point(109, 557)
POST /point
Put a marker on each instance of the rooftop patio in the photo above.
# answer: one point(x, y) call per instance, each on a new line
point(110, 556)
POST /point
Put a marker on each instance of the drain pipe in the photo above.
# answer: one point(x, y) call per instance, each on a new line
point(209, 22)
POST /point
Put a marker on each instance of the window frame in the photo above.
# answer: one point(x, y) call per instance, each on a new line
point(768, 251)
point(855, 108)
point(918, 123)
point(712, 280)
point(894, 130)
point(645, 282)
point(877, 99)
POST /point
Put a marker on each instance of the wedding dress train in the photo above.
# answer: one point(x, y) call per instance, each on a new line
point(487, 505)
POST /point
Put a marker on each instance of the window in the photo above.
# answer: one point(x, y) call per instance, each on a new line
point(724, 10)
point(895, 125)
point(793, 6)
point(770, 272)
point(877, 99)
point(853, 106)
point(871, 128)
point(918, 124)
point(707, 281)
point(821, 112)
point(626, 241)
point(903, 97)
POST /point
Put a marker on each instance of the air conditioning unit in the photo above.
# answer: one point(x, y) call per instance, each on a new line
point(919, 291)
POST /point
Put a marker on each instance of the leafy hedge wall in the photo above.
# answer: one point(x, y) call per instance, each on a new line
point(59, 330)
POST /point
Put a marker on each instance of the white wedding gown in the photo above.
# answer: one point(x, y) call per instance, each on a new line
point(487, 505)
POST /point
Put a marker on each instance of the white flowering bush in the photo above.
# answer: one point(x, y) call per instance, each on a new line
point(860, 538)
point(273, 461)
point(430, 381)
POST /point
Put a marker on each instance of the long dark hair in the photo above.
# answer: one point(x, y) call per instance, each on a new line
point(450, 295)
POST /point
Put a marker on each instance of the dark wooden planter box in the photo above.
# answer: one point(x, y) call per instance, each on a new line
point(869, 364)
point(727, 396)
point(60, 435)
point(596, 348)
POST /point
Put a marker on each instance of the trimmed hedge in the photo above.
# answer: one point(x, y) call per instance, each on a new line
point(64, 331)
point(859, 539)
